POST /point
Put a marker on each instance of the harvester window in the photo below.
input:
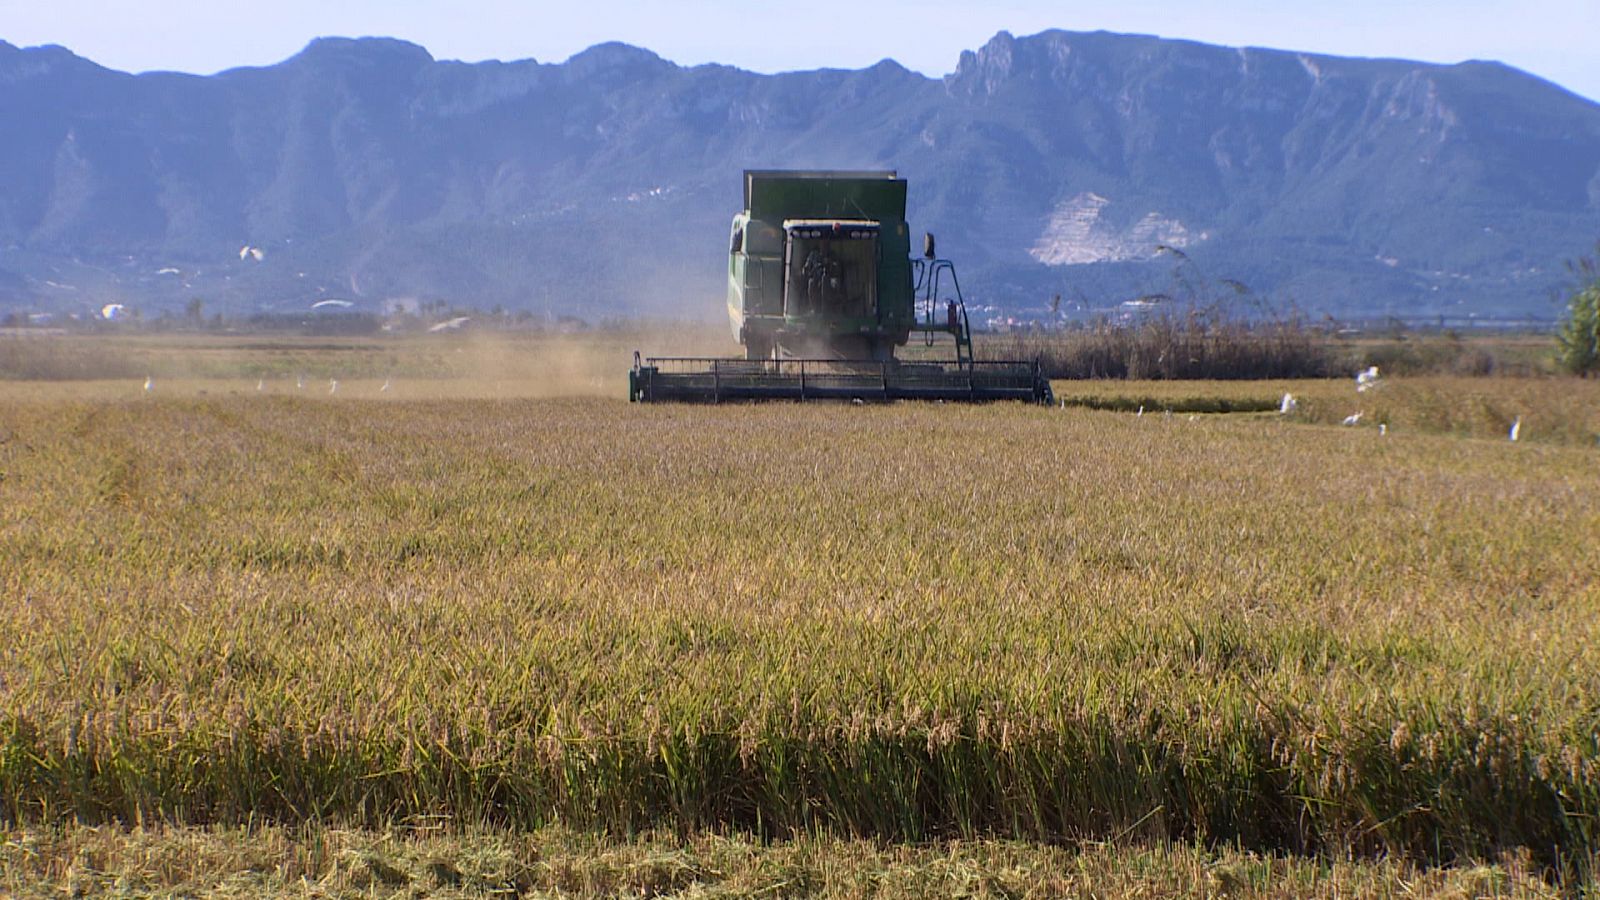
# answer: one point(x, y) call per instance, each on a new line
point(831, 274)
point(736, 242)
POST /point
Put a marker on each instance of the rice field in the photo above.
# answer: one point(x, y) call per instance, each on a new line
point(466, 600)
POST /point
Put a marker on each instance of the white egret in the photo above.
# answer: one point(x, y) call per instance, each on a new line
point(1288, 404)
point(1516, 429)
point(1353, 419)
point(450, 325)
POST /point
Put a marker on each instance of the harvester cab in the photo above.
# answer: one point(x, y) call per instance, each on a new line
point(821, 290)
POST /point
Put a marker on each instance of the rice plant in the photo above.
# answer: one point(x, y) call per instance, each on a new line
point(914, 622)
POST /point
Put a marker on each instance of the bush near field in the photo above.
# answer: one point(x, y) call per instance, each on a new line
point(1174, 347)
point(1201, 347)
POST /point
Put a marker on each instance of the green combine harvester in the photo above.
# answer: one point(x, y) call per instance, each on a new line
point(822, 288)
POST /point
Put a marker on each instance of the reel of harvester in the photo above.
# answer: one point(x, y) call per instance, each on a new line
point(711, 380)
point(821, 290)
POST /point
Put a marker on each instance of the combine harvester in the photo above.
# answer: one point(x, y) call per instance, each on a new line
point(821, 290)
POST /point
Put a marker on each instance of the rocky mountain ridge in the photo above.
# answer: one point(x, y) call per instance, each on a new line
point(1097, 166)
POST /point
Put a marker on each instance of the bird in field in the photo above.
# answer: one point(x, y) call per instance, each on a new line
point(148, 383)
point(333, 385)
point(385, 386)
point(1516, 429)
point(260, 384)
point(1288, 404)
point(300, 382)
point(1353, 419)
point(1383, 428)
point(1366, 379)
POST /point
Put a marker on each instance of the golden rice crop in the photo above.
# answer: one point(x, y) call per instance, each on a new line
point(914, 621)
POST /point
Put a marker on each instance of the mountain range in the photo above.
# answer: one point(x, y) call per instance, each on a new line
point(1099, 167)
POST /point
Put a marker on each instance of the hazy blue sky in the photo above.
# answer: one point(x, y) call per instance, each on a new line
point(1554, 39)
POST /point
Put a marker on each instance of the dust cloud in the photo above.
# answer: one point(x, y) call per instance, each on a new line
point(465, 364)
point(581, 364)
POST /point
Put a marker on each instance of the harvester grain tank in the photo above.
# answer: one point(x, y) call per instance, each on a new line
point(822, 288)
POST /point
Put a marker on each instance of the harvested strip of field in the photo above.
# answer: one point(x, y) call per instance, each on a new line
point(536, 364)
point(906, 622)
point(439, 862)
point(1551, 410)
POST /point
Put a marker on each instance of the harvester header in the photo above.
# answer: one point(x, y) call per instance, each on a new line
point(822, 288)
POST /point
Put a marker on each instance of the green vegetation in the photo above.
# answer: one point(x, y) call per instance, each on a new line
point(1578, 342)
point(910, 623)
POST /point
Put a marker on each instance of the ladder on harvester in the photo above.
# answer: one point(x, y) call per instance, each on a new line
point(935, 308)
